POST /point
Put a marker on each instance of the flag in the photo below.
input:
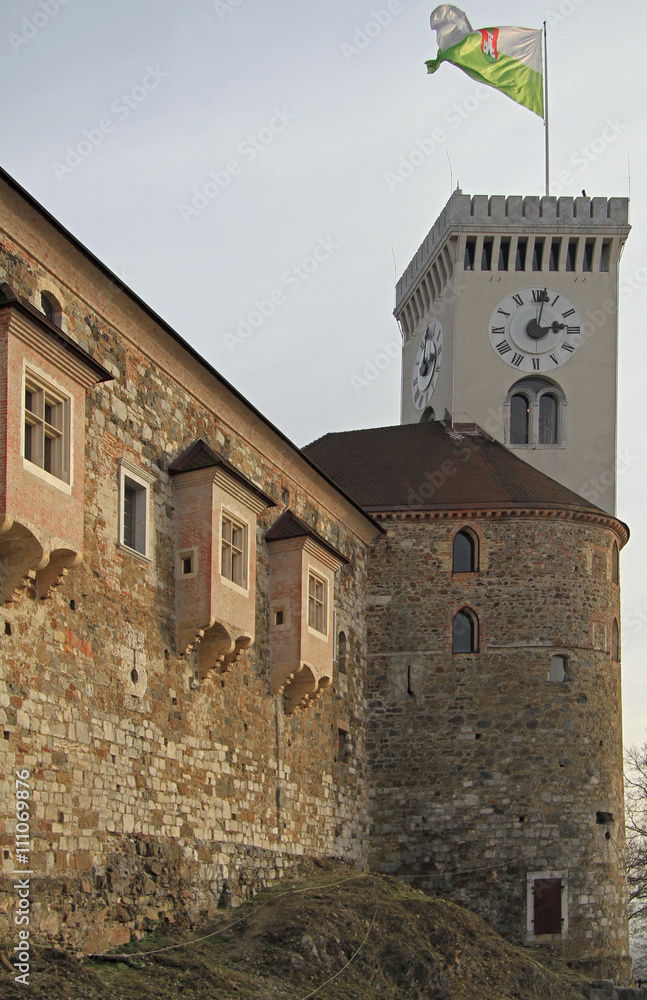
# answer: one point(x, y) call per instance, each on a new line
point(508, 59)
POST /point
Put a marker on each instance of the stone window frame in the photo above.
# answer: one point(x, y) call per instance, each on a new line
point(527, 388)
point(531, 878)
point(142, 482)
point(182, 557)
point(615, 564)
point(237, 518)
point(35, 380)
point(615, 641)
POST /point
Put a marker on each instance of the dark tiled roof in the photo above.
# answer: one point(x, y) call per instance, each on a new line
point(290, 525)
point(201, 455)
point(430, 466)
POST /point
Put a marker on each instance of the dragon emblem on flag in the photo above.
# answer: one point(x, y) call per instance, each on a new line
point(489, 43)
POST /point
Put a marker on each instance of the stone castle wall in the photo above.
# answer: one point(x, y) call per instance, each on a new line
point(482, 770)
point(157, 794)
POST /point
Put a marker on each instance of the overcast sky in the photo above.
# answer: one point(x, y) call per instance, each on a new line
point(204, 150)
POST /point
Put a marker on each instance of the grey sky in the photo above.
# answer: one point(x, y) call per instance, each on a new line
point(205, 150)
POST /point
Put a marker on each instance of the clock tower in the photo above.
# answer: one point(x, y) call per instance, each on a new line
point(509, 318)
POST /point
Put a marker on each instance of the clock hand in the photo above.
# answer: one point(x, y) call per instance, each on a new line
point(544, 297)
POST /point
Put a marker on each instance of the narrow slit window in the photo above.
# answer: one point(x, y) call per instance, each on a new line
point(504, 255)
point(571, 255)
point(587, 262)
point(615, 563)
point(520, 257)
point(486, 255)
point(538, 255)
point(605, 255)
point(555, 247)
point(470, 254)
point(615, 642)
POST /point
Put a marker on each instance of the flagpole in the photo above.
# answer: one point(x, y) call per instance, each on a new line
point(546, 111)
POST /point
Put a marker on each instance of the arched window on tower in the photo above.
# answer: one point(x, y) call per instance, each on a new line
point(536, 414)
point(465, 632)
point(615, 563)
point(615, 642)
point(465, 552)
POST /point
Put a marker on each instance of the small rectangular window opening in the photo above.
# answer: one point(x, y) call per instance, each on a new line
point(587, 262)
point(520, 258)
point(571, 255)
point(187, 565)
point(470, 254)
point(278, 617)
point(605, 255)
point(603, 818)
point(538, 255)
point(553, 264)
point(486, 255)
point(504, 255)
point(343, 745)
point(134, 515)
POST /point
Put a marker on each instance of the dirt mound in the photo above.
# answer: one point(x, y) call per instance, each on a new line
point(330, 933)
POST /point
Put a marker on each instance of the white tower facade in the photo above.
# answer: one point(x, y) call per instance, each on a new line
point(509, 318)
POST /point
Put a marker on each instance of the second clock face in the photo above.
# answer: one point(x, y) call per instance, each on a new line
point(535, 330)
point(426, 368)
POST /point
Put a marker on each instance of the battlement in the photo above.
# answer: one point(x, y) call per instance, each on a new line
point(480, 212)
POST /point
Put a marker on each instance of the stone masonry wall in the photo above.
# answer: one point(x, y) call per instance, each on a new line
point(487, 771)
point(157, 796)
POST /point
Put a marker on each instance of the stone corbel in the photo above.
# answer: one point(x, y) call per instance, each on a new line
point(51, 573)
point(216, 647)
point(303, 689)
point(25, 563)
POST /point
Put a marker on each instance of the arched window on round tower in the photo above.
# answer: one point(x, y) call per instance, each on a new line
point(465, 552)
point(615, 563)
point(465, 632)
point(615, 642)
point(536, 409)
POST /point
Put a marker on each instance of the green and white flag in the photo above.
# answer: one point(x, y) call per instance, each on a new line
point(508, 59)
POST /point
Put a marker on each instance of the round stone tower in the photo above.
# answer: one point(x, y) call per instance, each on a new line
point(494, 730)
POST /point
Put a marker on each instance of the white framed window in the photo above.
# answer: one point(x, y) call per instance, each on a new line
point(317, 603)
point(134, 508)
point(234, 536)
point(46, 427)
point(187, 564)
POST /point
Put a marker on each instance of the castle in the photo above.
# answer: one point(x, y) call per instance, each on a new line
point(397, 646)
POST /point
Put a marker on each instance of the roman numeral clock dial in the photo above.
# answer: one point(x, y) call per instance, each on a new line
point(535, 330)
point(426, 368)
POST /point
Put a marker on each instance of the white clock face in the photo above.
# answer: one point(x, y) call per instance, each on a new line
point(535, 330)
point(426, 368)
